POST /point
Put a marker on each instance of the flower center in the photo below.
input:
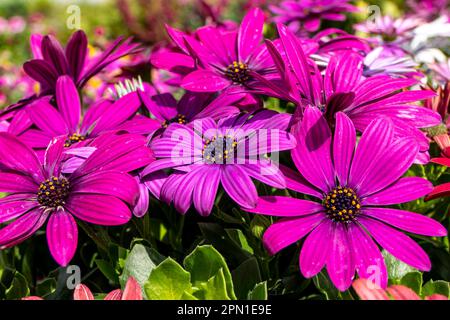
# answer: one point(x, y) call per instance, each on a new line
point(342, 204)
point(74, 138)
point(219, 149)
point(53, 192)
point(237, 72)
point(179, 118)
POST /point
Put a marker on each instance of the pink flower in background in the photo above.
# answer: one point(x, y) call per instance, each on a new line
point(367, 290)
point(132, 291)
point(307, 15)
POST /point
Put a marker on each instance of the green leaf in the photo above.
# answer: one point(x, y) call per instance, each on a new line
point(107, 269)
point(168, 281)
point(18, 288)
point(436, 287)
point(413, 280)
point(239, 238)
point(259, 292)
point(325, 286)
point(139, 264)
point(396, 269)
point(188, 296)
point(45, 287)
point(214, 289)
point(245, 277)
point(204, 263)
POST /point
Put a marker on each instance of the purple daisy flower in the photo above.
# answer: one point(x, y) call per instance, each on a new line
point(67, 120)
point(99, 191)
point(351, 185)
point(220, 59)
point(343, 87)
point(192, 106)
point(51, 61)
point(306, 15)
point(230, 152)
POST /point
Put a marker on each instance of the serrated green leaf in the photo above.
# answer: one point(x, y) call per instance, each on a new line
point(168, 281)
point(214, 289)
point(139, 264)
point(436, 287)
point(413, 280)
point(396, 269)
point(259, 292)
point(204, 263)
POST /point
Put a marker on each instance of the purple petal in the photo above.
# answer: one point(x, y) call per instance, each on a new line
point(398, 244)
point(296, 182)
point(141, 207)
point(68, 102)
point(53, 156)
point(42, 72)
point(62, 237)
point(285, 232)
point(250, 33)
point(368, 259)
point(35, 45)
point(205, 189)
point(340, 263)
point(54, 54)
point(343, 147)
point(266, 172)
point(316, 248)
point(99, 209)
point(404, 190)
point(408, 221)
point(22, 228)
point(204, 81)
point(76, 53)
point(120, 185)
point(17, 156)
point(312, 154)
point(14, 206)
point(47, 118)
point(13, 182)
point(239, 186)
point(281, 206)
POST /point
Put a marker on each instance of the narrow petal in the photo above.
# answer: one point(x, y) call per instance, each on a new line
point(76, 53)
point(13, 182)
point(68, 102)
point(14, 206)
point(340, 263)
point(408, 221)
point(239, 186)
point(205, 190)
point(368, 259)
point(398, 244)
point(286, 232)
point(22, 228)
point(53, 156)
point(399, 292)
point(99, 209)
point(250, 33)
point(295, 181)
point(204, 81)
point(114, 295)
point(316, 248)
point(141, 207)
point(47, 118)
point(266, 172)
point(62, 237)
point(285, 206)
point(404, 190)
point(120, 185)
point(312, 154)
point(343, 147)
point(132, 290)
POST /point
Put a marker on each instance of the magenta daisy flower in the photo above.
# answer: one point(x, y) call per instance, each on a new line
point(231, 152)
point(306, 15)
point(343, 87)
point(51, 61)
point(191, 106)
point(352, 187)
point(68, 119)
point(217, 60)
point(99, 191)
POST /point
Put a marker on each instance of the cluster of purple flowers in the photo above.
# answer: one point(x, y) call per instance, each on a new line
point(64, 161)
